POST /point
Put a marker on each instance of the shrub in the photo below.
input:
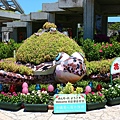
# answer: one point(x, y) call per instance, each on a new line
point(6, 49)
point(12, 67)
point(69, 89)
point(97, 51)
point(38, 49)
point(83, 83)
point(96, 67)
point(91, 50)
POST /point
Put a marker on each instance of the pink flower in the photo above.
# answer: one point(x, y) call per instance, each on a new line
point(92, 93)
point(111, 45)
point(15, 94)
point(94, 44)
point(2, 93)
point(86, 93)
point(5, 94)
point(100, 94)
point(10, 96)
point(100, 51)
point(106, 44)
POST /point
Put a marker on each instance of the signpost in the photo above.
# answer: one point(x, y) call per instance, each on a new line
point(69, 103)
point(115, 67)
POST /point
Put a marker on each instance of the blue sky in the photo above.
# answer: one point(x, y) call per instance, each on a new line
point(33, 5)
point(36, 5)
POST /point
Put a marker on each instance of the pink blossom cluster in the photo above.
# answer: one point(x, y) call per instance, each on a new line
point(9, 94)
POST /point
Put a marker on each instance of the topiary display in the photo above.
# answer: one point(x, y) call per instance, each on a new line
point(43, 48)
point(48, 25)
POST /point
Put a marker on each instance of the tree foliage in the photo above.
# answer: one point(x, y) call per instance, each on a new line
point(114, 26)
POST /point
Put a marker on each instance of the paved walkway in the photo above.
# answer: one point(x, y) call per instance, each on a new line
point(108, 113)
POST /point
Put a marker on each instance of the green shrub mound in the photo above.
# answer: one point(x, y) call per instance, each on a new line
point(43, 48)
point(99, 67)
point(10, 66)
point(6, 49)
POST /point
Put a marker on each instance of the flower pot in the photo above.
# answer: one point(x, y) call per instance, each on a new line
point(114, 101)
point(36, 107)
point(10, 106)
point(93, 106)
point(50, 107)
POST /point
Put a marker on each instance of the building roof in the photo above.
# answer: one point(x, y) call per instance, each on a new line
point(11, 5)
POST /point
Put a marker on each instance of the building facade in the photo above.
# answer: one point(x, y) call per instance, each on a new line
point(91, 14)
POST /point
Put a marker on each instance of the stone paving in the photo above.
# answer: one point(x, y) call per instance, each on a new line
point(108, 113)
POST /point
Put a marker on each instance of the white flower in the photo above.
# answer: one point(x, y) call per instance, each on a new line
point(45, 92)
point(23, 94)
point(118, 86)
point(110, 85)
point(38, 91)
point(39, 95)
point(33, 91)
point(103, 88)
point(28, 93)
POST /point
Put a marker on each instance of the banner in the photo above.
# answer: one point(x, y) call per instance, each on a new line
point(69, 103)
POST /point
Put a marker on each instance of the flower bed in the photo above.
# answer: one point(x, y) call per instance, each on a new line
point(10, 101)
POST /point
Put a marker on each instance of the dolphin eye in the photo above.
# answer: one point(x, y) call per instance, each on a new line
point(58, 57)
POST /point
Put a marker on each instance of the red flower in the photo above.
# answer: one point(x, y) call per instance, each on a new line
point(57, 96)
point(116, 66)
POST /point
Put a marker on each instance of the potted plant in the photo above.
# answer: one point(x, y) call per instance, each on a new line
point(112, 94)
point(69, 89)
point(10, 101)
point(95, 100)
point(36, 101)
